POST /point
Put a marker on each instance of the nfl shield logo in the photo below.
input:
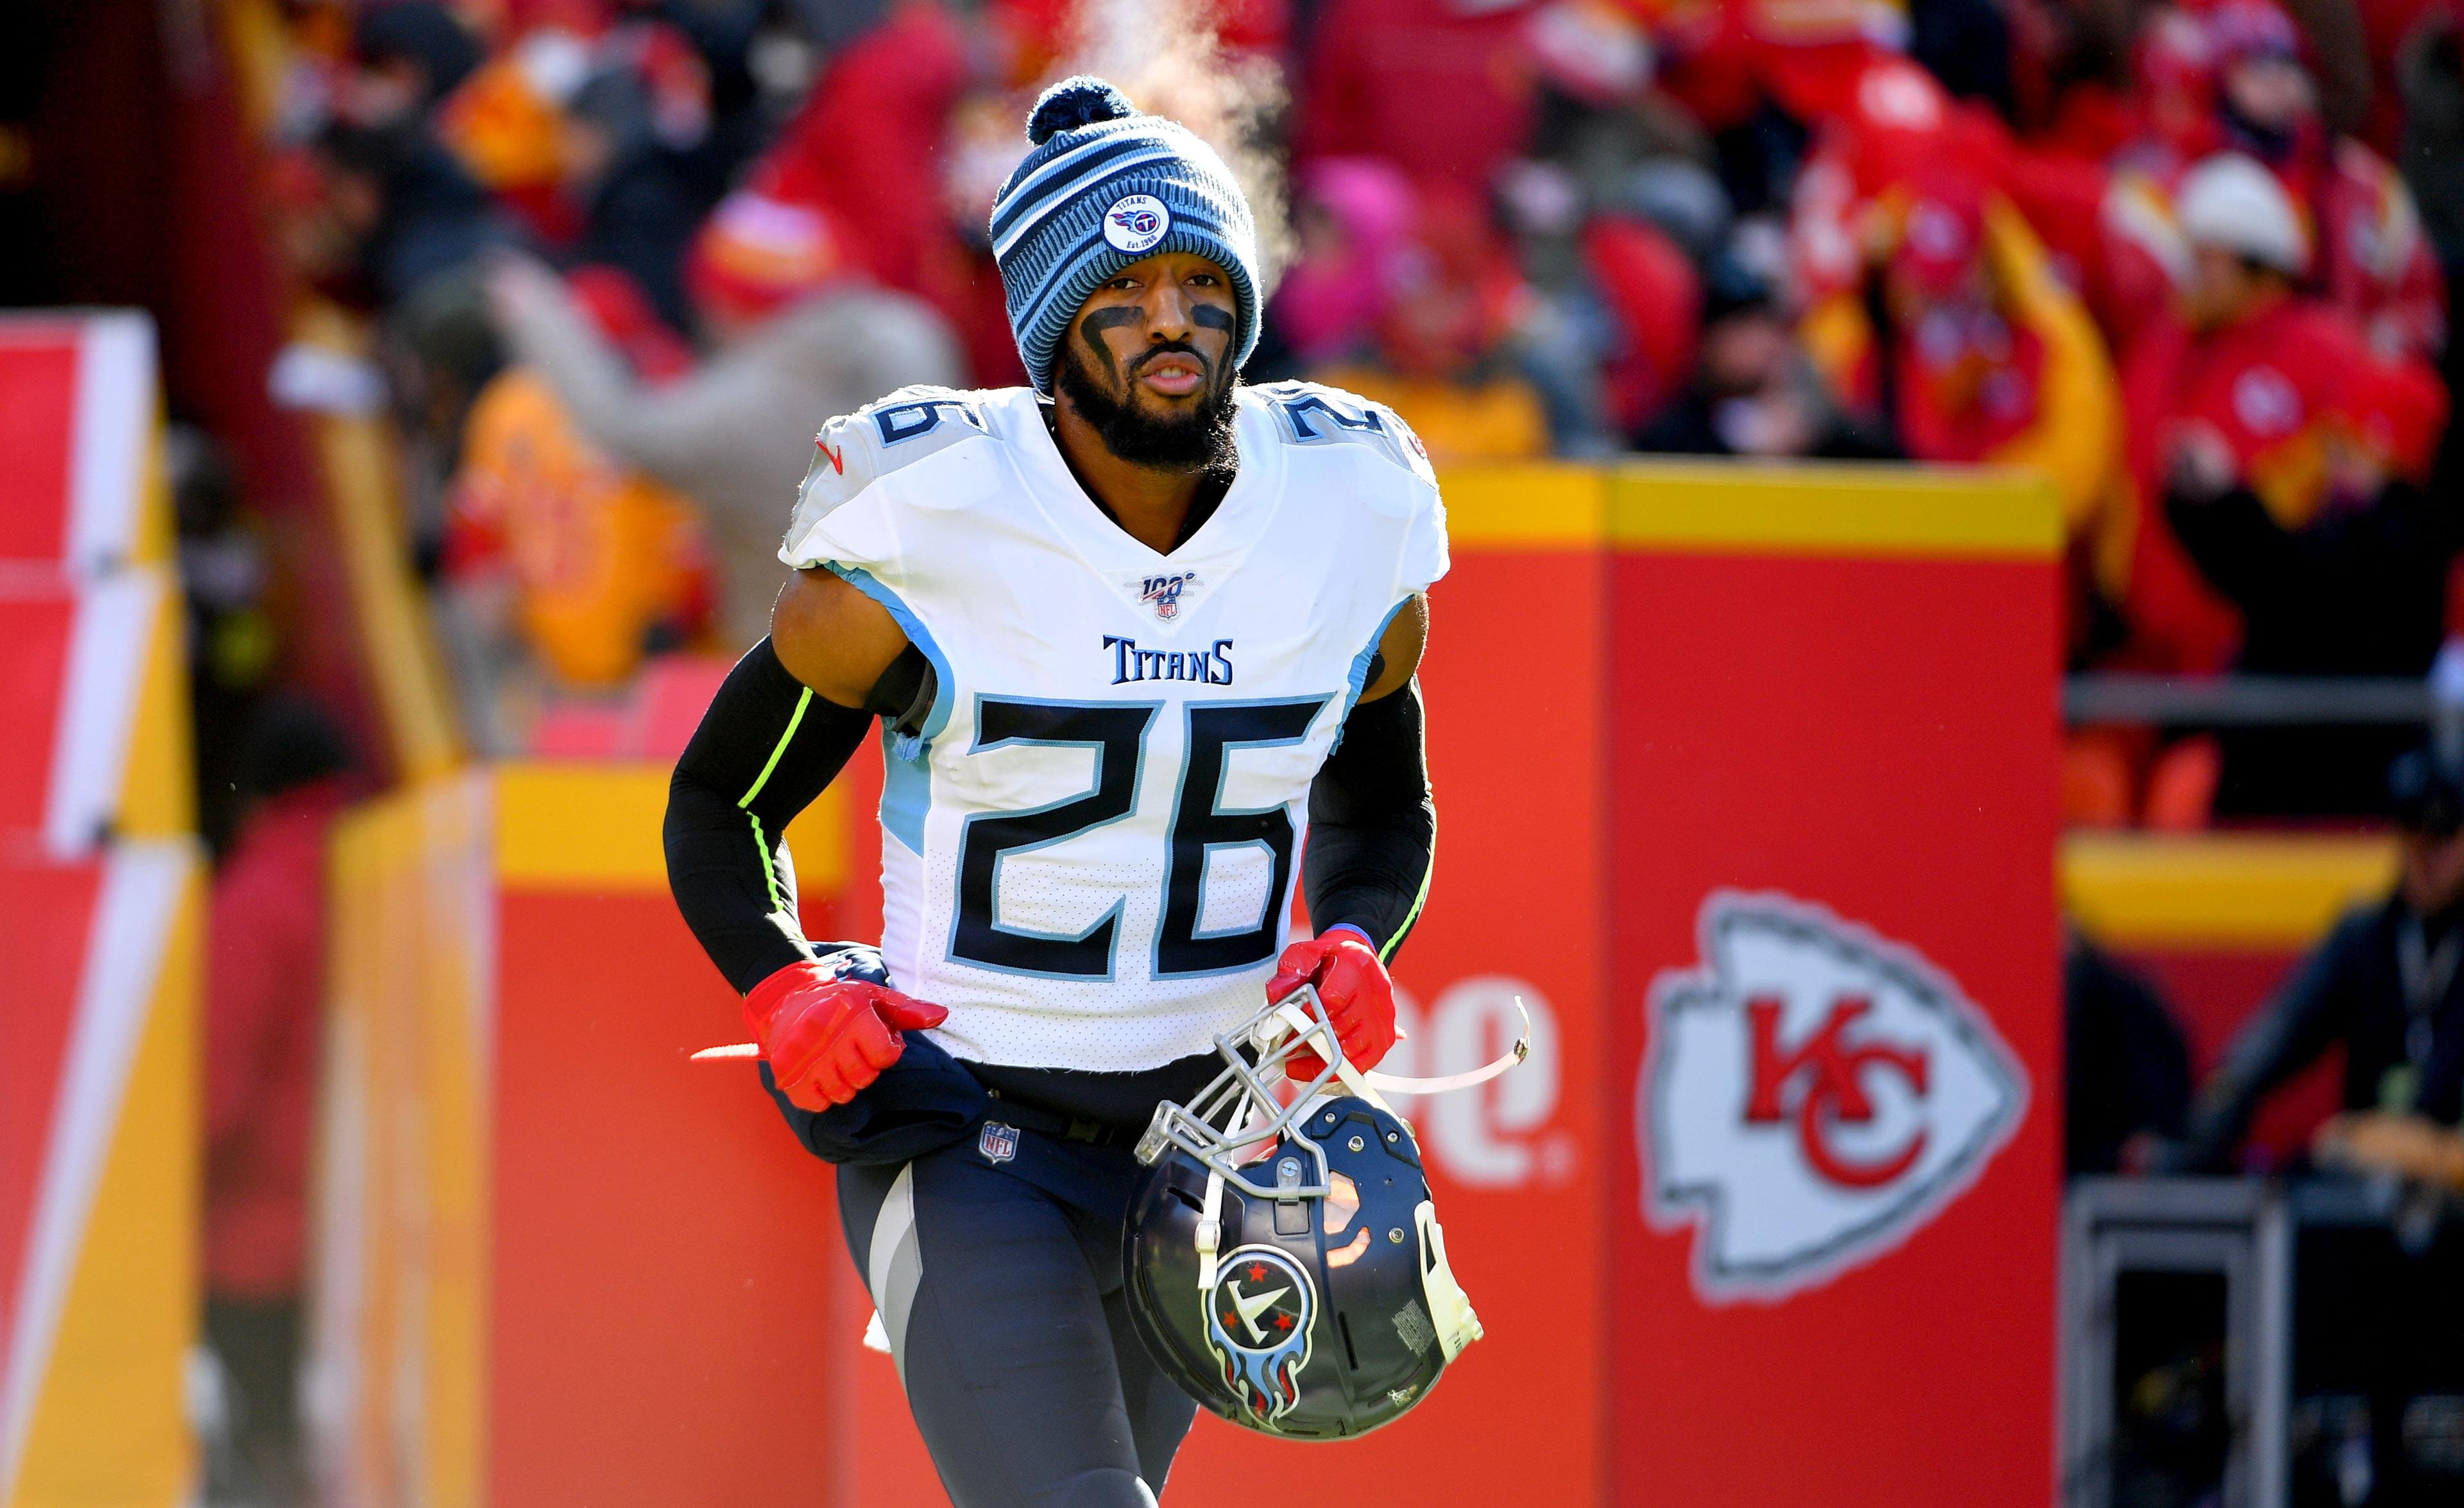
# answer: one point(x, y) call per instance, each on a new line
point(1163, 594)
point(997, 1141)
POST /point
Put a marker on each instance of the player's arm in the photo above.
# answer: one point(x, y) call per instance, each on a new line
point(1372, 837)
point(781, 728)
point(1372, 821)
point(2286, 1034)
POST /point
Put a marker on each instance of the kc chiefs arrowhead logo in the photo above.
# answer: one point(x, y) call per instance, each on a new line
point(1812, 1094)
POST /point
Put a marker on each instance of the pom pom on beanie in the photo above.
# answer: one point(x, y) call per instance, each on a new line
point(1075, 101)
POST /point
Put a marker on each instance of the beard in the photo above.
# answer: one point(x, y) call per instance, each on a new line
point(1199, 440)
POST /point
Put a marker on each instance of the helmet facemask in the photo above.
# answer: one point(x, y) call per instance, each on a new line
point(1220, 1120)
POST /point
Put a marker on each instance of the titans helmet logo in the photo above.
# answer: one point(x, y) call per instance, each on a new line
point(1258, 1323)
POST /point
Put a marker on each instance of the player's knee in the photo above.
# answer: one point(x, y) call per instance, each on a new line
point(1107, 1487)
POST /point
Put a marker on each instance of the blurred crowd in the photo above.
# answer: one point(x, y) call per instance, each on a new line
point(2189, 261)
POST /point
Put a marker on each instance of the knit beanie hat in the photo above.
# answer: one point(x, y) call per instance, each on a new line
point(1103, 186)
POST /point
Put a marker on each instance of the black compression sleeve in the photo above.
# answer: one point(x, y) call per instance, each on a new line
point(765, 748)
point(1373, 824)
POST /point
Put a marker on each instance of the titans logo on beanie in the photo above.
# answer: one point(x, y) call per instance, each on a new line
point(1103, 186)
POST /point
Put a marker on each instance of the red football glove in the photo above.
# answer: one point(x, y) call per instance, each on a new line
point(826, 1038)
point(1352, 985)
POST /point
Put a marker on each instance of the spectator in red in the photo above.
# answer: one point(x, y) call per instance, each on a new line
point(1442, 88)
point(1899, 130)
point(1654, 295)
point(2230, 76)
point(264, 990)
point(2333, 566)
point(870, 147)
point(1985, 355)
point(2280, 390)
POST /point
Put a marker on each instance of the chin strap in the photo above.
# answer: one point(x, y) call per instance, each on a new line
point(1210, 1213)
point(1210, 1231)
point(1368, 1084)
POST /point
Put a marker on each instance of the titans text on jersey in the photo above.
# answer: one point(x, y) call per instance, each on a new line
point(1212, 665)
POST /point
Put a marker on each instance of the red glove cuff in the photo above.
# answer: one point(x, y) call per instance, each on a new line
point(766, 997)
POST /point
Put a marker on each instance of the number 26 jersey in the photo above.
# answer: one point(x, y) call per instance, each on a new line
point(1089, 848)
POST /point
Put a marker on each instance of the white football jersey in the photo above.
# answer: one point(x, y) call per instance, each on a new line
point(1089, 853)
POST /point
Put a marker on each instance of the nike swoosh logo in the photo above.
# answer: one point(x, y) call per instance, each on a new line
point(1251, 1306)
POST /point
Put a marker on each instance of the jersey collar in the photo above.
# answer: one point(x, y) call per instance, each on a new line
point(1134, 569)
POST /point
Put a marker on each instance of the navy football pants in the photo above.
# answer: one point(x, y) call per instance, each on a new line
point(1000, 1282)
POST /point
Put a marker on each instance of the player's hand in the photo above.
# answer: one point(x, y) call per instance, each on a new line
point(826, 1038)
point(1353, 984)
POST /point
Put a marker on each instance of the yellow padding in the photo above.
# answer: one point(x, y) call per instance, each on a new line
point(1834, 510)
point(580, 827)
point(596, 827)
point(402, 1184)
point(1526, 505)
point(1753, 507)
point(158, 796)
point(109, 1427)
point(2218, 889)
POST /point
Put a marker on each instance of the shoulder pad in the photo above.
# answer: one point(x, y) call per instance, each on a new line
point(856, 450)
point(1312, 413)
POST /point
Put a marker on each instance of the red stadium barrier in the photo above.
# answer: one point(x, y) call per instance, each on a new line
point(99, 949)
point(557, 1266)
point(1835, 957)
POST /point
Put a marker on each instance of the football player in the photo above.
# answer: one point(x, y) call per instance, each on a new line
point(1129, 633)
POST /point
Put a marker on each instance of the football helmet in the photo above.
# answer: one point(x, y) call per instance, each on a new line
point(1283, 1257)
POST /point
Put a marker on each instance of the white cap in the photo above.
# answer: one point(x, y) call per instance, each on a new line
point(2233, 202)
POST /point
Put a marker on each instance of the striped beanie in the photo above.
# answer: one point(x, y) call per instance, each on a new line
point(1102, 186)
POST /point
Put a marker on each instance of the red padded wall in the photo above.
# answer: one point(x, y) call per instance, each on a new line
point(1853, 734)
